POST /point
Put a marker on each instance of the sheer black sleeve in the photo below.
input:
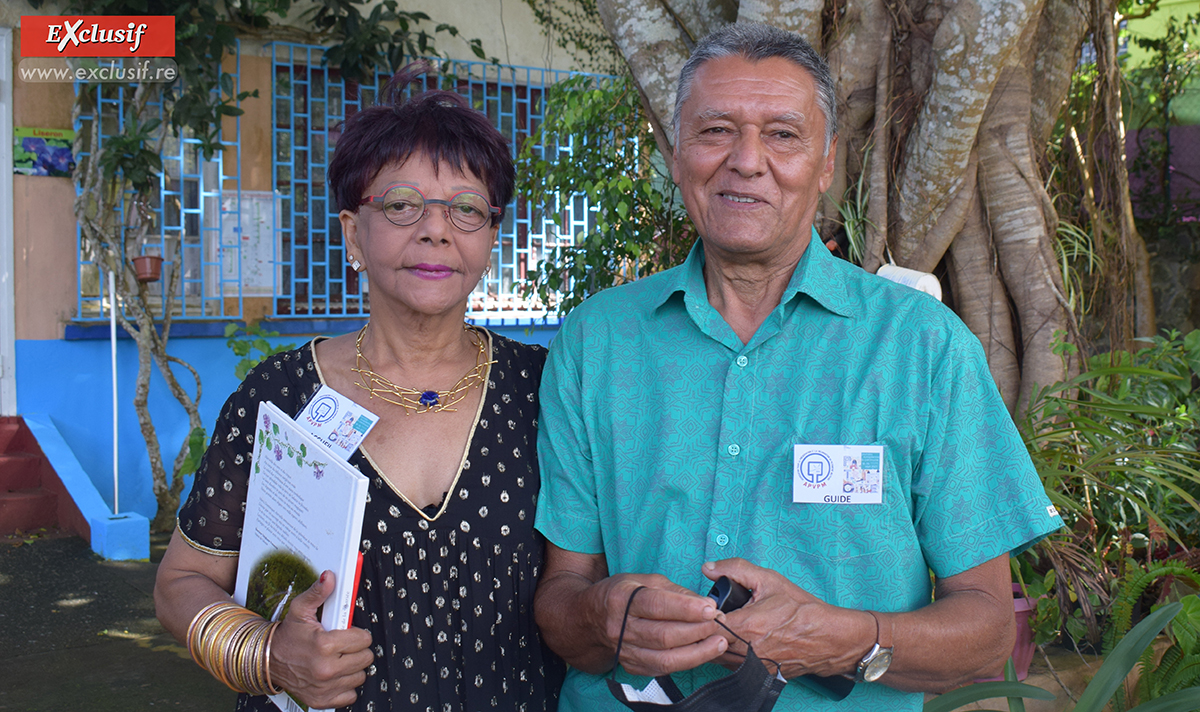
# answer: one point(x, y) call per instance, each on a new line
point(211, 517)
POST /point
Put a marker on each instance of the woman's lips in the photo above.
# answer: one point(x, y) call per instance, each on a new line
point(425, 271)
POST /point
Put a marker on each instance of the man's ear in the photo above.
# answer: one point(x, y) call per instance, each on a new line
point(830, 161)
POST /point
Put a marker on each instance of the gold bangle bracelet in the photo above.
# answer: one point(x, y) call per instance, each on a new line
point(267, 661)
point(233, 645)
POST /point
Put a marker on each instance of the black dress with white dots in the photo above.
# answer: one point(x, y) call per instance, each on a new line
point(446, 592)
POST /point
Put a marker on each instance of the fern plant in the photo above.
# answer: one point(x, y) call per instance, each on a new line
point(1179, 666)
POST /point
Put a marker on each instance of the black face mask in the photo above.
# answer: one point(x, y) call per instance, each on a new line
point(750, 689)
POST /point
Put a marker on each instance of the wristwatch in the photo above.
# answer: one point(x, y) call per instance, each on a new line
point(876, 662)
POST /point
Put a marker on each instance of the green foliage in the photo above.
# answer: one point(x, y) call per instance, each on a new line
point(1179, 666)
point(982, 691)
point(197, 440)
point(128, 154)
point(252, 346)
point(384, 38)
point(1134, 584)
point(1174, 58)
point(1046, 620)
point(575, 26)
point(204, 92)
point(1078, 263)
point(853, 211)
point(1121, 660)
point(1115, 448)
point(596, 142)
point(1103, 686)
point(206, 30)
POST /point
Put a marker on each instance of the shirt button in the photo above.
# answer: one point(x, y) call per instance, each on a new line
point(742, 361)
point(722, 540)
point(734, 449)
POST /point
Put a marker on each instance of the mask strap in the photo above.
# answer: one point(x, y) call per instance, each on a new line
point(778, 667)
point(621, 636)
point(625, 620)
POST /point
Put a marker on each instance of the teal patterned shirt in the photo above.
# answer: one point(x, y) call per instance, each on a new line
point(665, 442)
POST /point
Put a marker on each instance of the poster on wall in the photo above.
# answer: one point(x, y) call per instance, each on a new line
point(248, 242)
point(43, 152)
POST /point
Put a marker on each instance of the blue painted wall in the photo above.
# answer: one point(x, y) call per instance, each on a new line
point(70, 380)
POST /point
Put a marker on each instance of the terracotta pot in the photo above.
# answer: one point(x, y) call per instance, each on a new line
point(1024, 648)
point(147, 267)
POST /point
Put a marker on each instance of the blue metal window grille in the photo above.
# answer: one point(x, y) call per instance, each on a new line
point(308, 102)
point(196, 209)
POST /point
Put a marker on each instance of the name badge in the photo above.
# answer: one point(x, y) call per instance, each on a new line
point(336, 421)
point(837, 474)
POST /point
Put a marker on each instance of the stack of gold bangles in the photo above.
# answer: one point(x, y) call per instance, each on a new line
point(234, 645)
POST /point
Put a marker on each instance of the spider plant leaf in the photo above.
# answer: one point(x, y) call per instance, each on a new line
point(1122, 659)
point(984, 691)
point(1186, 700)
point(1015, 704)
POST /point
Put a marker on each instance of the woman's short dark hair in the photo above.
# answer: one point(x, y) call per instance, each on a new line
point(439, 124)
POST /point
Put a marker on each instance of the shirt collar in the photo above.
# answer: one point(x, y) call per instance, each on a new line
point(817, 275)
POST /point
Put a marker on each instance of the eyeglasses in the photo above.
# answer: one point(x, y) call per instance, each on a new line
point(404, 205)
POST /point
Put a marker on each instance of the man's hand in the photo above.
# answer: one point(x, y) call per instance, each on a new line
point(319, 667)
point(966, 633)
point(669, 628)
point(789, 625)
point(580, 610)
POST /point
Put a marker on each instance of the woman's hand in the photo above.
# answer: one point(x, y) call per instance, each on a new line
point(320, 668)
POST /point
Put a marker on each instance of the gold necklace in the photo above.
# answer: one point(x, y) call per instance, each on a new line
point(412, 400)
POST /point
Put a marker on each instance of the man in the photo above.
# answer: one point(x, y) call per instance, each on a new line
point(689, 419)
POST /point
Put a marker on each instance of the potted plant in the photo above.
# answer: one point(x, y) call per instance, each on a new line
point(148, 268)
point(1024, 647)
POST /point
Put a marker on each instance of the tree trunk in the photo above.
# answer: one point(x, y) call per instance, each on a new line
point(972, 42)
point(646, 33)
point(863, 34)
point(109, 241)
point(800, 16)
point(1022, 225)
point(982, 300)
point(942, 92)
point(1132, 247)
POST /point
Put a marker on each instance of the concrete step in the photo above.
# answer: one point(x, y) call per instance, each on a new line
point(20, 471)
point(15, 435)
point(27, 509)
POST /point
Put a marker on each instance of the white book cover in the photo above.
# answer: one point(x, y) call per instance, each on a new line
point(304, 513)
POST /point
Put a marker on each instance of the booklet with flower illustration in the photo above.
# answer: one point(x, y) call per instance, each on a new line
point(304, 513)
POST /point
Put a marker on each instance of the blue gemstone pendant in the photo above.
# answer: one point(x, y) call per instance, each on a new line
point(428, 399)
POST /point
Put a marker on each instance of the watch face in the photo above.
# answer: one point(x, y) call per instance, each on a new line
point(878, 665)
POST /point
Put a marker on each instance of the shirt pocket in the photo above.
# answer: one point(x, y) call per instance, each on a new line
point(836, 532)
point(840, 532)
point(862, 556)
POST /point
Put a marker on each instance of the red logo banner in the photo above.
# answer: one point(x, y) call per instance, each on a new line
point(98, 36)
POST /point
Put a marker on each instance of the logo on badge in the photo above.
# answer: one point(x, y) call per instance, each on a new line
point(814, 469)
point(323, 409)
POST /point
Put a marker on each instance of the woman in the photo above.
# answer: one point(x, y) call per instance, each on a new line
point(443, 619)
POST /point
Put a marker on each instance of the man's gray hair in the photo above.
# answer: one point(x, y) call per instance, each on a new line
point(756, 42)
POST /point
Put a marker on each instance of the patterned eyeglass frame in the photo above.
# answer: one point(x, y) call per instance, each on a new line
point(492, 209)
